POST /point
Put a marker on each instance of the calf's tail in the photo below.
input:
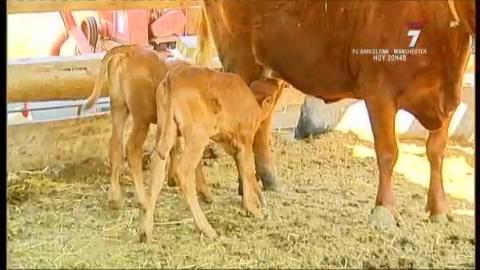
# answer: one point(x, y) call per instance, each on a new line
point(100, 82)
point(167, 128)
point(166, 122)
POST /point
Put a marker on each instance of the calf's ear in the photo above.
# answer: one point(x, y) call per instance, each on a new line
point(268, 103)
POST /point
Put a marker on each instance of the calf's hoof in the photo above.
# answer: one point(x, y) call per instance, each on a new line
point(140, 201)
point(254, 211)
point(115, 205)
point(145, 238)
point(382, 219)
point(206, 197)
point(114, 199)
point(140, 204)
point(440, 218)
point(209, 232)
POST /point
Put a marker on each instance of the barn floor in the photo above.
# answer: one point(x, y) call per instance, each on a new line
point(59, 218)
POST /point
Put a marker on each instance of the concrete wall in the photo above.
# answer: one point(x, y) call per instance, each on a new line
point(316, 117)
point(461, 127)
point(33, 146)
point(36, 145)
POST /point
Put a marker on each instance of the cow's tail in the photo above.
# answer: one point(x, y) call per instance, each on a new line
point(100, 82)
point(203, 53)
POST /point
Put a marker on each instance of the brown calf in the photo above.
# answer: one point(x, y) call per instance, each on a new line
point(195, 105)
point(131, 75)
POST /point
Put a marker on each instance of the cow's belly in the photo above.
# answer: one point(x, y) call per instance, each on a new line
point(305, 57)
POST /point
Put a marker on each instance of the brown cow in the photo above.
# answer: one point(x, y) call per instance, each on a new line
point(314, 45)
point(131, 75)
point(195, 105)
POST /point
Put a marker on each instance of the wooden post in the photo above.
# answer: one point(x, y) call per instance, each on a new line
point(16, 6)
point(52, 78)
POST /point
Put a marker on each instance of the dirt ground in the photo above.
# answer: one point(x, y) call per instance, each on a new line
point(59, 218)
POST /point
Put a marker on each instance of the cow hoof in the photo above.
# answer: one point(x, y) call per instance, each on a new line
point(382, 219)
point(275, 187)
point(439, 219)
point(255, 212)
point(270, 182)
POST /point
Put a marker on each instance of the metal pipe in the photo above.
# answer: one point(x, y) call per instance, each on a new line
point(75, 104)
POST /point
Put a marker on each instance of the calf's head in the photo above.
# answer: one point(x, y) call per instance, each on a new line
point(265, 93)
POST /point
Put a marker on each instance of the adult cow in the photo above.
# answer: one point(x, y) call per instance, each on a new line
point(312, 45)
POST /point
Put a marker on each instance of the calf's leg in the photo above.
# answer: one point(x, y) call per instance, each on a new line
point(437, 202)
point(252, 194)
point(381, 111)
point(264, 165)
point(119, 116)
point(163, 146)
point(244, 64)
point(134, 157)
point(201, 184)
point(173, 163)
point(189, 160)
point(157, 168)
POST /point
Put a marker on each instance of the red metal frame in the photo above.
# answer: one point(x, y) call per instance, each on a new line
point(131, 26)
point(75, 32)
point(125, 26)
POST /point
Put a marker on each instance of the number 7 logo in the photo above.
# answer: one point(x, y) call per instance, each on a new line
point(414, 34)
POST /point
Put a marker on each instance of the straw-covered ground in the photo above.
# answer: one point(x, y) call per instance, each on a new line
point(59, 218)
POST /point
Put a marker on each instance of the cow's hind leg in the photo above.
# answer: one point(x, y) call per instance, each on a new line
point(134, 157)
point(382, 110)
point(437, 202)
point(119, 116)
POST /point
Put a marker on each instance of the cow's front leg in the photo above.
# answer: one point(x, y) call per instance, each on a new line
point(264, 165)
point(437, 203)
point(382, 110)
